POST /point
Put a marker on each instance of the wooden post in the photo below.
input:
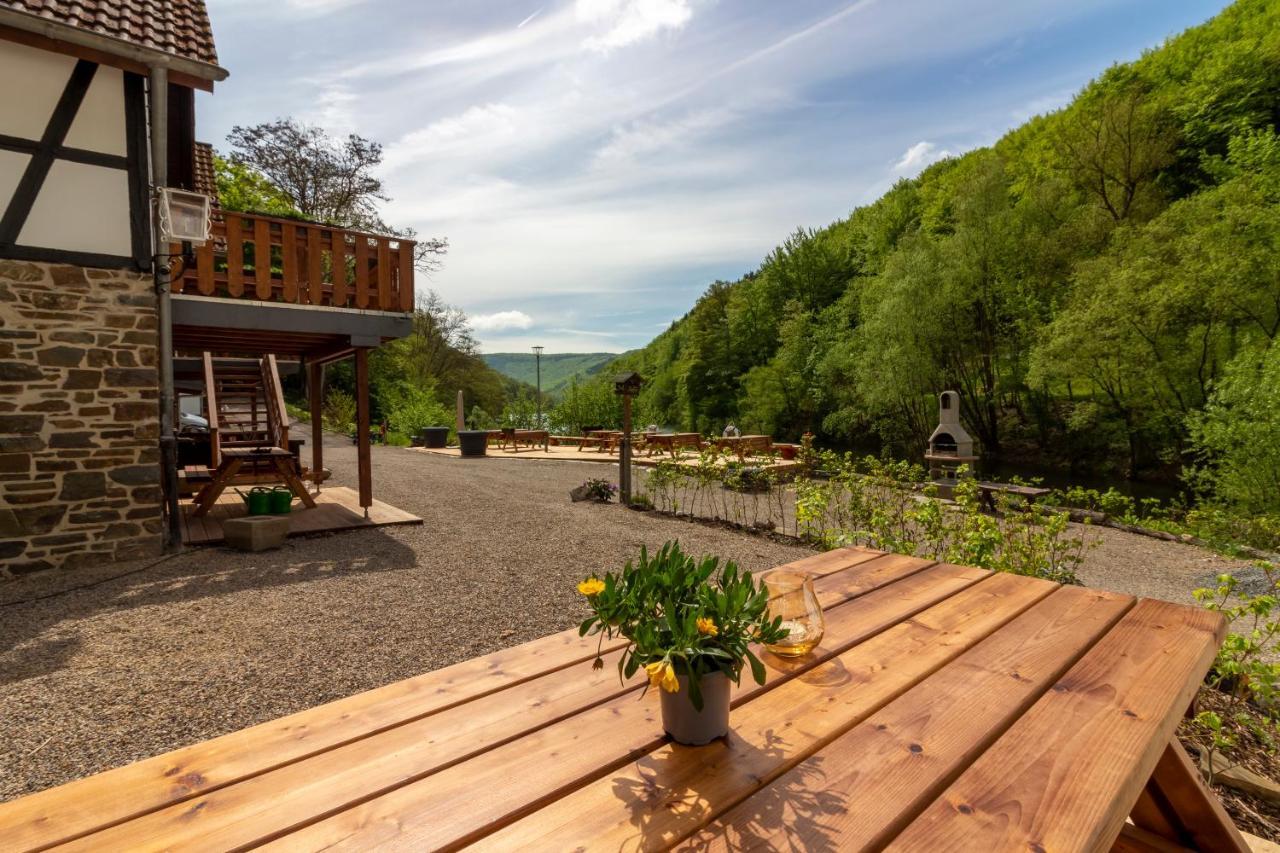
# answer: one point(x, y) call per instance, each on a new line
point(315, 396)
point(624, 453)
point(365, 464)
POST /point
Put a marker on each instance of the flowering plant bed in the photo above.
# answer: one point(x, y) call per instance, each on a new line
point(599, 490)
point(681, 617)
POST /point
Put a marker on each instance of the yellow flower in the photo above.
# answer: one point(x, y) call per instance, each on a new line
point(662, 674)
point(591, 586)
point(706, 625)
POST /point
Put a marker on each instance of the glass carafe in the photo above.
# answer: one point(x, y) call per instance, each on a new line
point(792, 597)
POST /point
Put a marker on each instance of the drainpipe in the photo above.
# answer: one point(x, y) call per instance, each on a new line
point(160, 255)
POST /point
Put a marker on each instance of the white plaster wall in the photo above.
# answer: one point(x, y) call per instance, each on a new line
point(31, 81)
point(12, 165)
point(81, 208)
point(99, 123)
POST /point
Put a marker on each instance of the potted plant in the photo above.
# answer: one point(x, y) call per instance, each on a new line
point(690, 625)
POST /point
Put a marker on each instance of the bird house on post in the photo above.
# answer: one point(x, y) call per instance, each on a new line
point(626, 386)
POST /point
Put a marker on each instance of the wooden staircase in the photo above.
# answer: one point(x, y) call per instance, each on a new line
point(244, 405)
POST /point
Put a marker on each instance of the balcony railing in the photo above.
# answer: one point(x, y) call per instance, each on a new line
point(300, 263)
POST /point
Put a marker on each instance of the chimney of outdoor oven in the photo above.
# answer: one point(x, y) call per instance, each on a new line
point(950, 446)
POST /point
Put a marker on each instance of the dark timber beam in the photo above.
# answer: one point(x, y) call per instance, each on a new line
point(365, 463)
point(315, 396)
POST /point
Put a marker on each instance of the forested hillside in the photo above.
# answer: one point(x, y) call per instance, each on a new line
point(1085, 283)
point(558, 369)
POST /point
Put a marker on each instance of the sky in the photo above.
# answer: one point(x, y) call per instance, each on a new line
point(595, 164)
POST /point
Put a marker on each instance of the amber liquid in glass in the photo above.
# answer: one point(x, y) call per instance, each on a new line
point(800, 640)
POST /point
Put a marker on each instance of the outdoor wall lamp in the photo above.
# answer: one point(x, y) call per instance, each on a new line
point(184, 216)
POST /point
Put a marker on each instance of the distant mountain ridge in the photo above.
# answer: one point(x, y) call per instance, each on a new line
point(558, 369)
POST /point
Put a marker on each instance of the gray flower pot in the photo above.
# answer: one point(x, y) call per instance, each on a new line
point(685, 723)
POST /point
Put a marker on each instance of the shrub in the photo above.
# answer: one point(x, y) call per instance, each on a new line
point(339, 410)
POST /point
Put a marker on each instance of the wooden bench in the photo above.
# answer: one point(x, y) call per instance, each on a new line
point(903, 729)
point(512, 439)
point(746, 445)
point(672, 442)
point(987, 493)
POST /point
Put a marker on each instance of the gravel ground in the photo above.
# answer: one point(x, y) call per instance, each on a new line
point(212, 640)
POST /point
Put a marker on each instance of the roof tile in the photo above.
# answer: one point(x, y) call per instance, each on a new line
point(178, 27)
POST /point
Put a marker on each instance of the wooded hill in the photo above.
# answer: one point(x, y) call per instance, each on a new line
point(1085, 283)
point(558, 369)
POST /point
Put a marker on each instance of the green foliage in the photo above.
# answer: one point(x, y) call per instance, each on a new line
point(600, 490)
point(1238, 434)
point(242, 188)
point(411, 408)
point(1083, 282)
point(590, 404)
point(883, 504)
point(681, 616)
point(1245, 669)
point(339, 410)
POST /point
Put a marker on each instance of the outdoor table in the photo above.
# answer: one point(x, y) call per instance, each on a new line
point(232, 459)
point(947, 708)
point(672, 442)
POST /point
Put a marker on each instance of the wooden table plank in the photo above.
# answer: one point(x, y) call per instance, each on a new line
point(668, 794)
point(108, 798)
point(860, 791)
point(444, 810)
point(1065, 776)
point(272, 803)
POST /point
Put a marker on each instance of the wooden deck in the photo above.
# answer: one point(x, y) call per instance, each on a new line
point(946, 708)
point(562, 453)
point(337, 508)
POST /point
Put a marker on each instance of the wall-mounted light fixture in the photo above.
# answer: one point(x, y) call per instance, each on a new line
point(184, 216)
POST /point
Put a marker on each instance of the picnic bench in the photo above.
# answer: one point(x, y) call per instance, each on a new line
point(672, 442)
point(947, 708)
point(746, 445)
point(987, 493)
point(233, 458)
point(512, 438)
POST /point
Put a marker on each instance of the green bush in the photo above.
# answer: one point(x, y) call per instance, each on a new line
point(1238, 434)
point(339, 410)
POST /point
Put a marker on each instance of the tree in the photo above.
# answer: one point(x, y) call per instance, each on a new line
point(325, 179)
point(1114, 143)
point(1237, 435)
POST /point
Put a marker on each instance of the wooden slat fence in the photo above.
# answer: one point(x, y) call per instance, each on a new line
point(301, 263)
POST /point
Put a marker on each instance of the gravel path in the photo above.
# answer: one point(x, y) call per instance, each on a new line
point(212, 640)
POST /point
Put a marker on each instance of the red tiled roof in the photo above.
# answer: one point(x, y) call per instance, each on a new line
point(204, 178)
point(178, 27)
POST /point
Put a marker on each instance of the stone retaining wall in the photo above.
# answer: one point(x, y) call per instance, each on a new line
point(79, 423)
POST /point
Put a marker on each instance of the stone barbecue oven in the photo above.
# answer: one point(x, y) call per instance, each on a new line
point(950, 446)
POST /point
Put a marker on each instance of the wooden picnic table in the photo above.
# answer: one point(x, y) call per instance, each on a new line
point(744, 445)
point(233, 458)
point(947, 708)
point(531, 437)
point(656, 442)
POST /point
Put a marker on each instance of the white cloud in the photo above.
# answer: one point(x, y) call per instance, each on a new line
point(918, 156)
point(501, 321)
point(631, 21)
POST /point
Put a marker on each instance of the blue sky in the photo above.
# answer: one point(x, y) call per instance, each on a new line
point(595, 164)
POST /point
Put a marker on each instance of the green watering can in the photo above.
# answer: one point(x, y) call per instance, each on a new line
point(258, 501)
point(281, 500)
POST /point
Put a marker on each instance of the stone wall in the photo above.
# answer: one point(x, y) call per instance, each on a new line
point(79, 421)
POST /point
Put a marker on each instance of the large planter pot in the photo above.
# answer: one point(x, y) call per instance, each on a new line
point(435, 436)
point(472, 442)
point(685, 723)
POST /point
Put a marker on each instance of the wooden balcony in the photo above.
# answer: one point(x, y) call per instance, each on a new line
point(286, 261)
